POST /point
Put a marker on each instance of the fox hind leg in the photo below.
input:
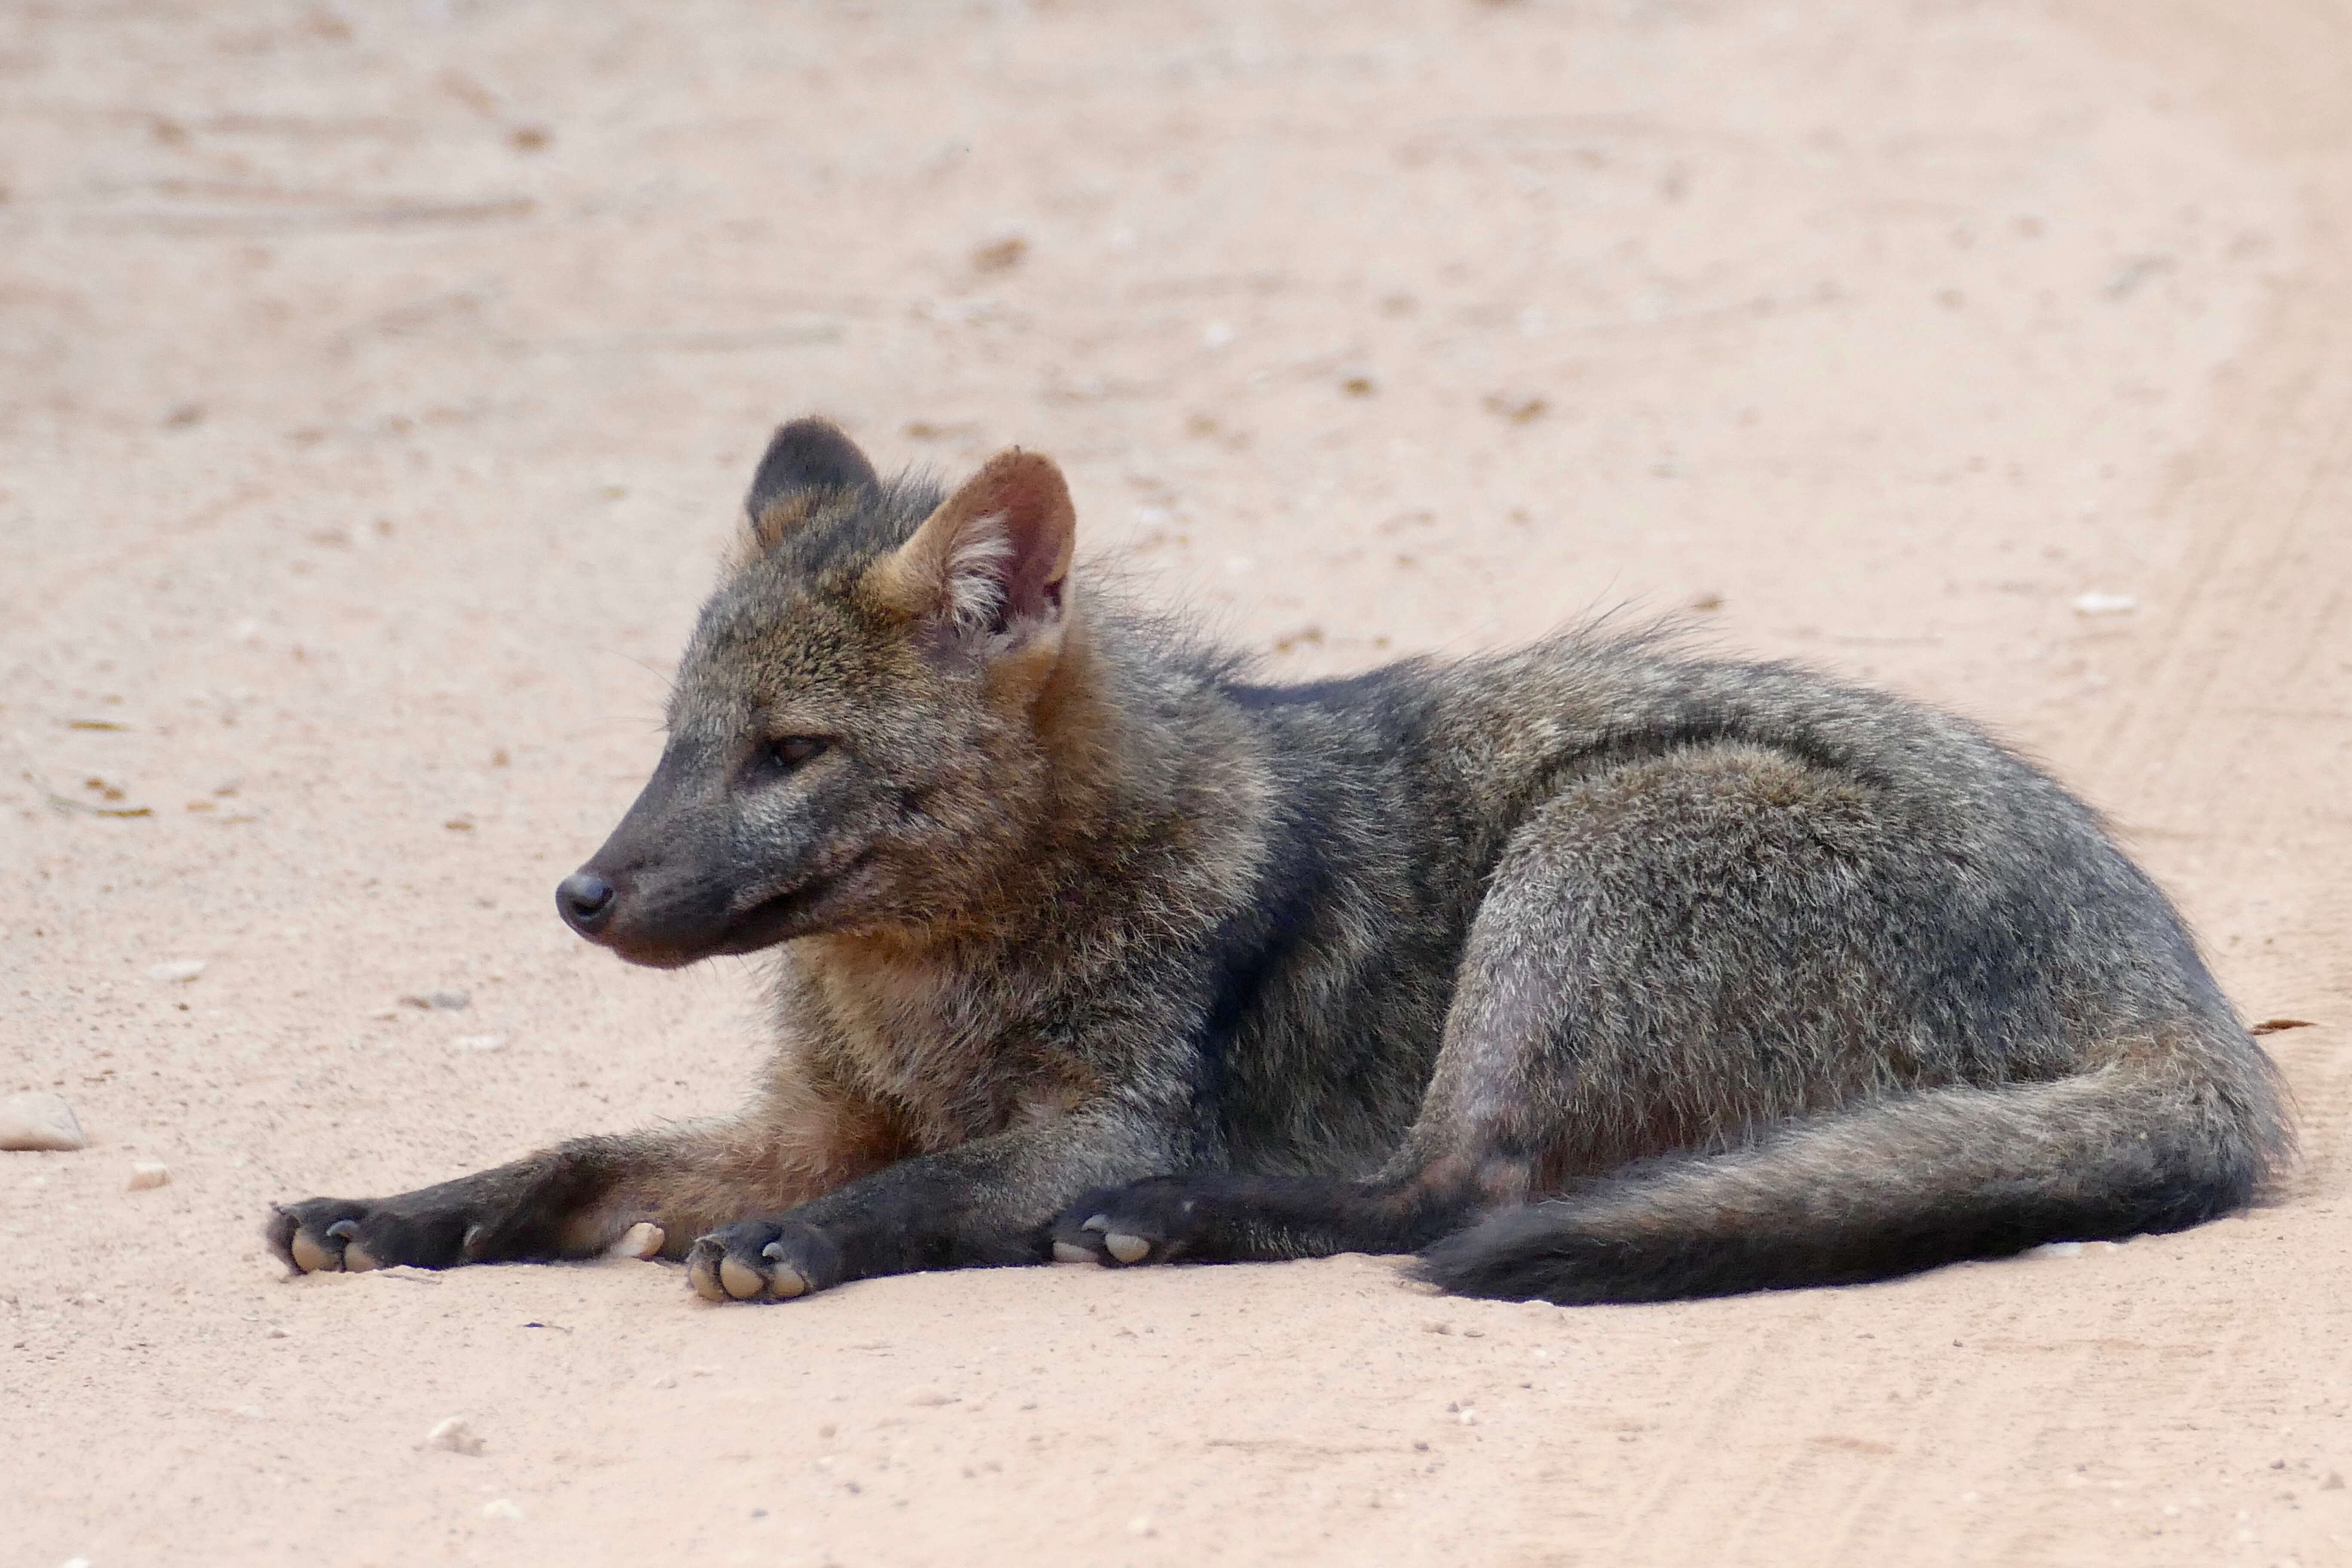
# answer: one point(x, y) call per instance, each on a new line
point(1628, 987)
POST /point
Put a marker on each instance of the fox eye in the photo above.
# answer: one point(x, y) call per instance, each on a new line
point(789, 751)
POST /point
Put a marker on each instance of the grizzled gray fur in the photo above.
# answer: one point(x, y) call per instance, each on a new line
point(1591, 971)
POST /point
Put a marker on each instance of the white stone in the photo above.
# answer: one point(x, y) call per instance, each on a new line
point(643, 1240)
point(39, 1120)
point(146, 1173)
point(442, 1001)
point(2104, 603)
point(500, 1508)
point(179, 970)
point(479, 1042)
point(454, 1435)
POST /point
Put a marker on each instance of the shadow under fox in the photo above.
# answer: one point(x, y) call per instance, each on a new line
point(1594, 971)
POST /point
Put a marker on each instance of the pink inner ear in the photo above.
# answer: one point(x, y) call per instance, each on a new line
point(1031, 505)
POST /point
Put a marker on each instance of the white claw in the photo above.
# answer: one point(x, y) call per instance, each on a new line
point(785, 1281)
point(742, 1280)
point(1100, 1222)
point(705, 1280)
point(1070, 1252)
point(309, 1256)
point(1126, 1248)
point(356, 1259)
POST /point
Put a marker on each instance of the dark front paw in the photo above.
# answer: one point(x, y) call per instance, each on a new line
point(1158, 1221)
point(327, 1235)
point(763, 1260)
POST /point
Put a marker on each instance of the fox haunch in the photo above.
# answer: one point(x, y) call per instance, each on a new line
point(1593, 971)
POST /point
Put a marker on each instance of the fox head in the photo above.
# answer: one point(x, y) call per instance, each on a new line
point(863, 719)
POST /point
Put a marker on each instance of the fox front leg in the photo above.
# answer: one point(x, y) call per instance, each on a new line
point(988, 1202)
point(650, 1194)
point(523, 1212)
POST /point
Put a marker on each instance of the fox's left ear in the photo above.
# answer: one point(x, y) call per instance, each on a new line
point(805, 459)
point(994, 562)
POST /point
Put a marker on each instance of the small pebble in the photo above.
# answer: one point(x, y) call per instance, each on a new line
point(456, 1436)
point(643, 1240)
point(146, 1173)
point(440, 1001)
point(179, 969)
point(500, 1508)
point(929, 1396)
point(2104, 603)
point(479, 1042)
point(39, 1120)
point(1141, 1525)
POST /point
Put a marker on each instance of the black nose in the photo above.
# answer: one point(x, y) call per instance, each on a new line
point(584, 899)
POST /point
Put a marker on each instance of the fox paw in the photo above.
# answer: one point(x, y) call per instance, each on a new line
point(329, 1236)
point(763, 1260)
point(1158, 1221)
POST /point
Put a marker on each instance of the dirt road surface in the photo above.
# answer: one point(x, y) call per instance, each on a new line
point(377, 382)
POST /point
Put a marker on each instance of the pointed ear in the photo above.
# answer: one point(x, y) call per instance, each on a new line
point(805, 459)
point(994, 562)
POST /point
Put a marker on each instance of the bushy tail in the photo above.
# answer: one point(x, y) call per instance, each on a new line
point(1893, 1186)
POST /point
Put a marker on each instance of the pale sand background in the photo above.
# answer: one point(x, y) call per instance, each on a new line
point(379, 383)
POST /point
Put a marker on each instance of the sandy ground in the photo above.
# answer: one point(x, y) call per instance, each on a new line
point(379, 381)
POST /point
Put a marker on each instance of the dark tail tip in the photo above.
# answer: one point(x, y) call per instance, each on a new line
point(1531, 1254)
